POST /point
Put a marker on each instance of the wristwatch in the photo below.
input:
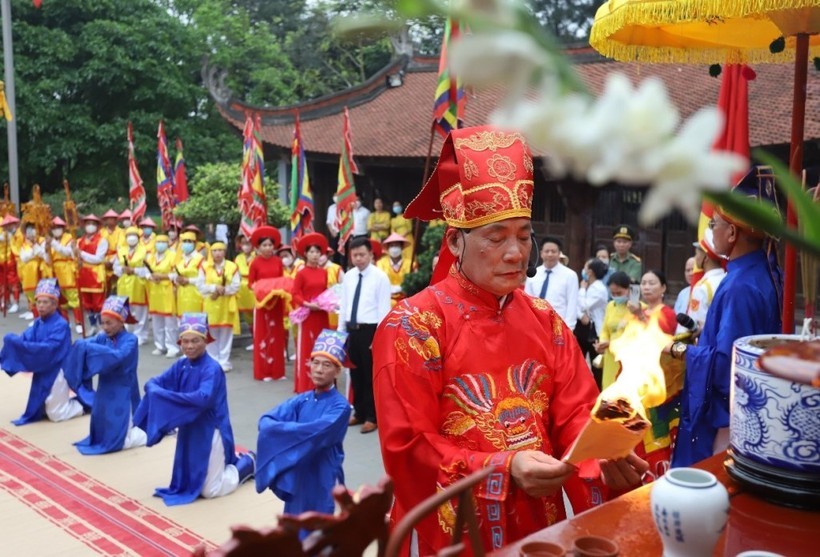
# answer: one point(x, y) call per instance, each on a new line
point(679, 350)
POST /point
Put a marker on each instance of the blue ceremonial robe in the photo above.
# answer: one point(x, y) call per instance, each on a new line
point(41, 349)
point(114, 361)
point(299, 450)
point(190, 396)
point(746, 303)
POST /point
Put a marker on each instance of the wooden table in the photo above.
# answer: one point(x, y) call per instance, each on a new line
point(753, 524)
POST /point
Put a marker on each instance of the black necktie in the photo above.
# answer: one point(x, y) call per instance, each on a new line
point(355, 308)
point(543, 294)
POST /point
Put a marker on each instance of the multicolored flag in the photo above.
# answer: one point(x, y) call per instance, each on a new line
point(346, 189)
point(253, 206)
point(301, 198)
point(165, 180)
point(450, 101)
point(180, 176)
point(136, 192)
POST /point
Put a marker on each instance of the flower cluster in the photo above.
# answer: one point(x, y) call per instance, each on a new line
point(631, 135)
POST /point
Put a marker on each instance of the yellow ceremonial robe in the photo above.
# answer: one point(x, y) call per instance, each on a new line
point(222, 311)
point(395, 276)
point(188, 297)
point(65, 271)
point(403, 226)
point(132, 285)
point(161, 298)
point(244, 300)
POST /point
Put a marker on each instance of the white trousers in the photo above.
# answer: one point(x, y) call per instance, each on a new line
point(220, 348)
point(166, 332)
point(221, 479)
point(135, 438)
point(59, 404)
point(140, 328)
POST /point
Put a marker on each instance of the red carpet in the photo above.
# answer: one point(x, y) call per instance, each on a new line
point(105, 520)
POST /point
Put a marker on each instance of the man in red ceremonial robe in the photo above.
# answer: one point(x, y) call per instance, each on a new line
point(472, 372)
point(91, 252)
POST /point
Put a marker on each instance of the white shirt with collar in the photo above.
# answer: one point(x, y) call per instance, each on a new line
point(330, 221)
point(562, 291)
point(374, 298)
point(360, 217)
point(592, 301)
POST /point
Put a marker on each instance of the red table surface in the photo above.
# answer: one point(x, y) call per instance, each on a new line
point(753, 524)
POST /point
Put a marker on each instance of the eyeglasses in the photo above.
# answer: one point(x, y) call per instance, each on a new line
point(324, 364)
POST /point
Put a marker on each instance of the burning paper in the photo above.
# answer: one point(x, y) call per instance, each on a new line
point(618, 420)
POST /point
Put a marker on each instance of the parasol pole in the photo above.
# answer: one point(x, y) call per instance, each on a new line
point(796, 167)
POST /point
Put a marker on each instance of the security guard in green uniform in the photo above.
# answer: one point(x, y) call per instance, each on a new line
point(622, 259)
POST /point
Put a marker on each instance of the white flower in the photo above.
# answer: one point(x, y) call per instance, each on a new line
point(686, 166)
point(500, 12)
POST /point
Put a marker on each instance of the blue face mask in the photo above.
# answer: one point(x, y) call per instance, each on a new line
point(620, 299)
point(147, 230)
point(396, 209)
point(584, 275)
point(187, 248)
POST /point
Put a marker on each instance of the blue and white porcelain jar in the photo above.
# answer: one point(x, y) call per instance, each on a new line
point(774, 422)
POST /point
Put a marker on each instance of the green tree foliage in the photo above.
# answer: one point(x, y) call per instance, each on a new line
point(430, 246)
point(569, 20)
point(213, 198)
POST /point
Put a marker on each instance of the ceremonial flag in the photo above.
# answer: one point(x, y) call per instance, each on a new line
point(165, 180)
point(5, 111)
point(450, 101)
point(346, 190)
point(136, 192)
point(301, 198)
point(253, 206)
point(180, 176)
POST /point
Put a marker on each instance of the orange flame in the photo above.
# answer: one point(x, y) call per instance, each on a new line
point(641, 382)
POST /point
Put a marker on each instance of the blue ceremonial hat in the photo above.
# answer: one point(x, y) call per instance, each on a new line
point(118, 308)
point(196, 323)
point(758, 184)
point(331, 345)
point(48, 287)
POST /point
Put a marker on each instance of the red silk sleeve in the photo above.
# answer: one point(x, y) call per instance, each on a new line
point(298, 297)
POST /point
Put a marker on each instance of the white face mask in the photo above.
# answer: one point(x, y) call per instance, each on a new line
point(131, 240)
point(161, 247)
point(394, 251)
point(126, 223)
point(57, 232)
point(287, 261)
point(172, 234)
point(31, 233)
point(90, 228)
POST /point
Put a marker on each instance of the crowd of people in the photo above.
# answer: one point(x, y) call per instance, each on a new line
point(494, 364)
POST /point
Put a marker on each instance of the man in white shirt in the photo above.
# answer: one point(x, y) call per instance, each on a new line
point(361, 215)
point(555, 283)
point(365, 301)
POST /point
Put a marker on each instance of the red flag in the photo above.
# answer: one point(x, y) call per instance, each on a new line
point(165, 184)
point(346, 190)
point(253, 206)
point(136, 192)
point(37, 3)
point(180, 175)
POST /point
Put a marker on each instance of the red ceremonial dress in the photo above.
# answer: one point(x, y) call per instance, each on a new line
point(309, 283)
point(463, 382)
point(268, 323)
point(92, 280)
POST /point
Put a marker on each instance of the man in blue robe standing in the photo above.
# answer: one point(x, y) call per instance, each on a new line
point(299, 449)
point(112, 356)
point(41, 350)
point(747, 302)
point(191, 396)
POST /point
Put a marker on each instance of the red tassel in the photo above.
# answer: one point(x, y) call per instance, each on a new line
point(37, 3)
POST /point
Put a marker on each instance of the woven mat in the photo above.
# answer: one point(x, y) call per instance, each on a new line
point(55, 501)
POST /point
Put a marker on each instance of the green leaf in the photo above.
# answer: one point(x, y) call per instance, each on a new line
point(366, 25)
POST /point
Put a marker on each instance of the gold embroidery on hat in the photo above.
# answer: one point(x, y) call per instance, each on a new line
point(501, 167)
point(470, 169)
point(491, 140)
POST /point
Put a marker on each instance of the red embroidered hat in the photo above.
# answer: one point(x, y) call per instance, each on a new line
point(483, 175)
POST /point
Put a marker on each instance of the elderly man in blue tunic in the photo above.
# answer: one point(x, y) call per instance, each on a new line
point(41, 350)
point(112, 356)
point(191, 396)
point(299, 449)
point(747, 302)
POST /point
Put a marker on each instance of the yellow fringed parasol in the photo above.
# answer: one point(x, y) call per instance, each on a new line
point(37, 212)
point(703, 31)
point(721, 31)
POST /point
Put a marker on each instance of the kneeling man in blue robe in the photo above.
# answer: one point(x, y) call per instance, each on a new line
point(299, 449)
point(41, 350)
point(112, 356)
point(191, 396)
